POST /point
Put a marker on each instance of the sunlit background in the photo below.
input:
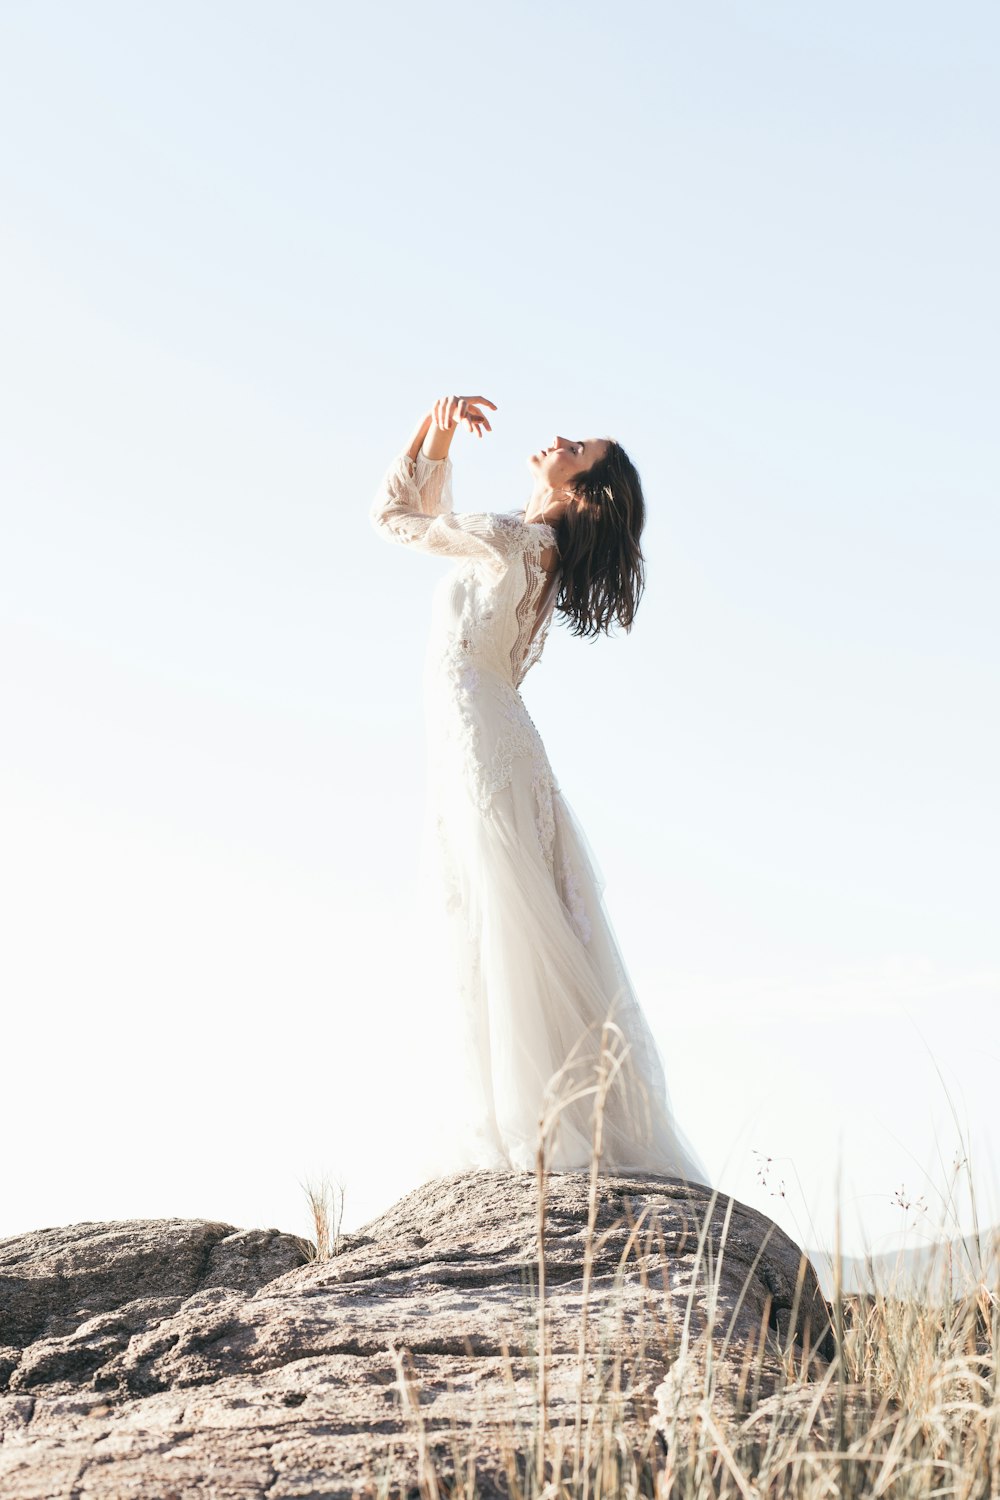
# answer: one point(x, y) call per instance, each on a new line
point(244, 247)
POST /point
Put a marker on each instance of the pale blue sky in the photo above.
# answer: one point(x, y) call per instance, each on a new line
point(244, 246)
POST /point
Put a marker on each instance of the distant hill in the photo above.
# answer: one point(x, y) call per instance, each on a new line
point(911, 1265)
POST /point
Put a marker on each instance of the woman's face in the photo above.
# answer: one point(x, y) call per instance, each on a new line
point(566, 457)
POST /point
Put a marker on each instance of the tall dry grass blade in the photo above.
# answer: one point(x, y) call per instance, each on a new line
point(541, 1178)
point(327, 1215)
point(409, 1391)
point(603, 1084)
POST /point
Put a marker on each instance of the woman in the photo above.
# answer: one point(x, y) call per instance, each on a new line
point(553, 1041)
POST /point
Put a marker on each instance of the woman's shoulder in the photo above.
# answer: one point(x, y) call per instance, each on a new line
point(541, 531)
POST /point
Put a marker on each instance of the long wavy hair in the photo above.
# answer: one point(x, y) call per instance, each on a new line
point(603, 569)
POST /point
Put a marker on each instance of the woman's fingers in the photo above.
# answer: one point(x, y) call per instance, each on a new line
point(451, 410)
point(467, 413)
point(475, 402)
point(471, 405)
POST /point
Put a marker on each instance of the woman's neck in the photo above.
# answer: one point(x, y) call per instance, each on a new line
point(546, 504)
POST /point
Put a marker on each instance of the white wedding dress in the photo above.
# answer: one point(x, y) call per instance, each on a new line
point(530, 967)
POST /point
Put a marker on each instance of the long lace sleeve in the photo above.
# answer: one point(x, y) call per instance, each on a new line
point(413, 506)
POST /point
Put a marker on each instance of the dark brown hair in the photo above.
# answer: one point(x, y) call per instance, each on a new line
point(603, 573)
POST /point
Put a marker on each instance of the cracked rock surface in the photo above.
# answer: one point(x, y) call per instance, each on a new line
point(173, 1357)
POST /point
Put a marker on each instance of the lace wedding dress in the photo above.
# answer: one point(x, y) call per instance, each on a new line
point(530, 967)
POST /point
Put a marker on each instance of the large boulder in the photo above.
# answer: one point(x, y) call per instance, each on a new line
point(176, 1357)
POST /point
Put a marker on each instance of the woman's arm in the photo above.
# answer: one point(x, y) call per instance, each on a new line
point(419, 433)
point(428, 437)
point(437, 427)
point(413, 504)
point(420, 515)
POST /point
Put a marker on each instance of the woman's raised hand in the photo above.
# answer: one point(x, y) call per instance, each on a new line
point(450, 411)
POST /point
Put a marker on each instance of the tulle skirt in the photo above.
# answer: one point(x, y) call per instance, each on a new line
point(548, 1044)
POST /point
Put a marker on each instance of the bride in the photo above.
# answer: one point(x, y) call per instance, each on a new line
point(554, 1048)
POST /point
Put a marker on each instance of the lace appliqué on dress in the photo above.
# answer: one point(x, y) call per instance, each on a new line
point(486, 774)
point(523, 739)
point(574, 901)
point(449, 875)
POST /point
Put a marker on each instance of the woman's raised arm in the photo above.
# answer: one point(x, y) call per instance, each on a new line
point(419, 433)
point(413, 505)
point(434, 432)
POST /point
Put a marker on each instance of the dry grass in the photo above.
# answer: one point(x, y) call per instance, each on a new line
point(326, 1206)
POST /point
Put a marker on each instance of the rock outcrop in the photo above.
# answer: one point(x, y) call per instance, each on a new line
point(179, 1357)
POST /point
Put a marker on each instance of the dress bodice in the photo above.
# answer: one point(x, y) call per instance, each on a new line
point(494, 607)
